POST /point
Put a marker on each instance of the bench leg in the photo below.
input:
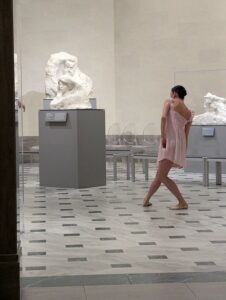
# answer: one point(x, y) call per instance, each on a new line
point(143, 166)
point(205, 171)
point(128, 167)
point(133, 169)
point(146, 169)
point(218, 173)
point(115, 167)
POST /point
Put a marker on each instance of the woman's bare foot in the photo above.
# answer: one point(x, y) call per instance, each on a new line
point(146, 202)
point(179, 206)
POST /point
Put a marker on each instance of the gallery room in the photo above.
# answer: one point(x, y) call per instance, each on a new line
point(113, 149)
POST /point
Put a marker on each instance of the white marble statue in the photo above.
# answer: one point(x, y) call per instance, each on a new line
point(215, 111)
point(60, 64)
point(70, 95)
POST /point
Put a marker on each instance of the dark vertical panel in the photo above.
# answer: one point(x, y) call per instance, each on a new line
point(7, 132)
point(9, 266)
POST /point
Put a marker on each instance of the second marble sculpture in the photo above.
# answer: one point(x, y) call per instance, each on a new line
point(66, 84)
point(215, 111)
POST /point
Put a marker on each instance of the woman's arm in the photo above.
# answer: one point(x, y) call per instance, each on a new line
point(187, 129)
point(188, 126)
point(163, 122)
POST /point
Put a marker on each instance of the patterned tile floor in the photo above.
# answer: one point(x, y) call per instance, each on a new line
point(105, 230)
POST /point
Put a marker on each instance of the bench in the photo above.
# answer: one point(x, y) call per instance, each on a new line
point(146, 159)
point(218, 164)
point(31, 152)
point(115, 155)
point(115, 152)
point(205, 172)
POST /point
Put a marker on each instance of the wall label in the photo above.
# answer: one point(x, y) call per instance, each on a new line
point(208, 131)
point(56, 116)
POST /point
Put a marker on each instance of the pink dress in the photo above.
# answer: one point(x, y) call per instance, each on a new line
point(175, 150)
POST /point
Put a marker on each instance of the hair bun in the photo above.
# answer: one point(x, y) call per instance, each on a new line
point(180, 91)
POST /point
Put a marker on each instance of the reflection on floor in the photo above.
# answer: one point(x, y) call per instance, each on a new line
point(105, 230)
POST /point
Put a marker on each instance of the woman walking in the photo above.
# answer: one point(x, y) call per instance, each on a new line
point(175, 125)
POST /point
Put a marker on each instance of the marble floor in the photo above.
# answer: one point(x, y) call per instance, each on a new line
point(103, 236)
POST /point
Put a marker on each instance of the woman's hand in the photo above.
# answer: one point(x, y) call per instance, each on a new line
point(163, 141)
point(21, 105)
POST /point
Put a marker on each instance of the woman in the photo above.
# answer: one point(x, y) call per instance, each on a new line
point(175, 125)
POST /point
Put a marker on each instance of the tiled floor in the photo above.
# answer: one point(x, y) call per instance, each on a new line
point(106, 231)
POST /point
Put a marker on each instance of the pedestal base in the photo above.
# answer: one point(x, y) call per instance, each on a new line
point(206, 141)
point(72, 148)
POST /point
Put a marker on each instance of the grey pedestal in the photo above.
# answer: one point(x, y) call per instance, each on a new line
point(72, 148)
point(206, 141)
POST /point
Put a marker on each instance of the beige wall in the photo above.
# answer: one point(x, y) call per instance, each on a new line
point(154, 39)
point(132, 49)
point(84, 28)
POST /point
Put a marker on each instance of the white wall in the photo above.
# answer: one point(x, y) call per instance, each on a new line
point(132, 49)
point(84, 28)
point(154, 39)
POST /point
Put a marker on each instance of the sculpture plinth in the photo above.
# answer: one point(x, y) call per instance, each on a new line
point(72, 148)
point(206, 141)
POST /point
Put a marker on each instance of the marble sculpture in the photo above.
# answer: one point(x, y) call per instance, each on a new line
point(70, 95)
point(66, 84)
point(215, 111)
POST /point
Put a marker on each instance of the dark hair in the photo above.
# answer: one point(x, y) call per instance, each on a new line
point(180, 91)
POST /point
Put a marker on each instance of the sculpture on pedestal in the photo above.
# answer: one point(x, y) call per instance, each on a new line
point(66, 84)
point(70, 95)
point(215, 111)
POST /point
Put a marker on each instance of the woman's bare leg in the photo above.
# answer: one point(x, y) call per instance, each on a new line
point(170, 184)
point(162, 177)
point(152, 189)
point(156, 183)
